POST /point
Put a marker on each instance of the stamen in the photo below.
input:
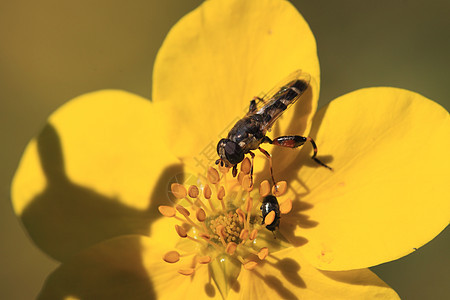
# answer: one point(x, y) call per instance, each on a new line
point(186, 215)
point(183, 211)
point(270, 217)
point(279, 189)
point(241, 215)
point(207, 238)
point(201, 215)
point(207, 193)
point(248, 205)
point(264, 188)
point(167, 211)
point(240, 177)
point(171, 257)
point(193, 191)
point(250, 265)
point(247, 183)
point(246, 166)
point(178, 190)
point(204, 259)
point(231, 248)
point(220, 231)
point(213, 175)
point(204, 236)
point(253, 234)
point(262, 254)
point(181, 231)
point(187, 271)
point(243, 235)
point(286, 206)
point(221, 195)
point(248, 208)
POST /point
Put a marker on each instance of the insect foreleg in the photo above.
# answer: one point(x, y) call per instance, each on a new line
point(270, 163)
point(294, 141)
point(251, 168)
point(252, 106)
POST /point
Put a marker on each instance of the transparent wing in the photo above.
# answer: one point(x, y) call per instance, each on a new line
point(276, 101)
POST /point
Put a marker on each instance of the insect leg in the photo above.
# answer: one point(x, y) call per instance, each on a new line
point(252, 106)
point(294, 141)
point(270, 163)
point(234, 171)
point(266, 139)
point(251, 167)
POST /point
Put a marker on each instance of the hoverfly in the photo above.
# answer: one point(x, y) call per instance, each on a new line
point(250, 132)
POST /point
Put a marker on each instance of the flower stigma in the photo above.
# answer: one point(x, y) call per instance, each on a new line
point(220, 224)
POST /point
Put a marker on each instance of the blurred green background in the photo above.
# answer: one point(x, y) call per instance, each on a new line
point(52, 51)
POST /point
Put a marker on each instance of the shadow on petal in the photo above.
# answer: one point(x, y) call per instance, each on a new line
point(290, 269)
point(294, 219)
point(110, 270)
point(67, 217)
point(276, 285)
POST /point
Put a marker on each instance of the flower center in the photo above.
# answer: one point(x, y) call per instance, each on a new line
point(224, 222)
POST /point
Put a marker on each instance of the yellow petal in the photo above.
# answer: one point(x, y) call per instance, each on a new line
point(128, 267)
point(388, 194)
point(221, 55)
point(286, 275)
point(98, 169)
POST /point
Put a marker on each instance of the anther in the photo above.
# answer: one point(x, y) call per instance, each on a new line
point(240, 177)
point(270, 217)
point(286, 206)
point(171, 257)
point(207, 192)
point(204, 259)
point(250, 265)
point(241, 215)
point(253, 234)
point(193, 191)
point(231, 248)
point(181, 231)
point(201, 215)
point(262, 254)
point(167, 211)
point(221, 193)
point(279, 189)
point(187, 271)
point(246, 166)
point(264, 188)
point(247, 183)
point(213, 175)
point(178, 190)
point(183, 210)
point(220, 230)
point(244, 234)
point(186, 215)
point(204, 236)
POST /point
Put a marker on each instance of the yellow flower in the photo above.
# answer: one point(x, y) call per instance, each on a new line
point(88, 188)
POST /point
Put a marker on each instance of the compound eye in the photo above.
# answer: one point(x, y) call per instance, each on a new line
point(234, 152)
